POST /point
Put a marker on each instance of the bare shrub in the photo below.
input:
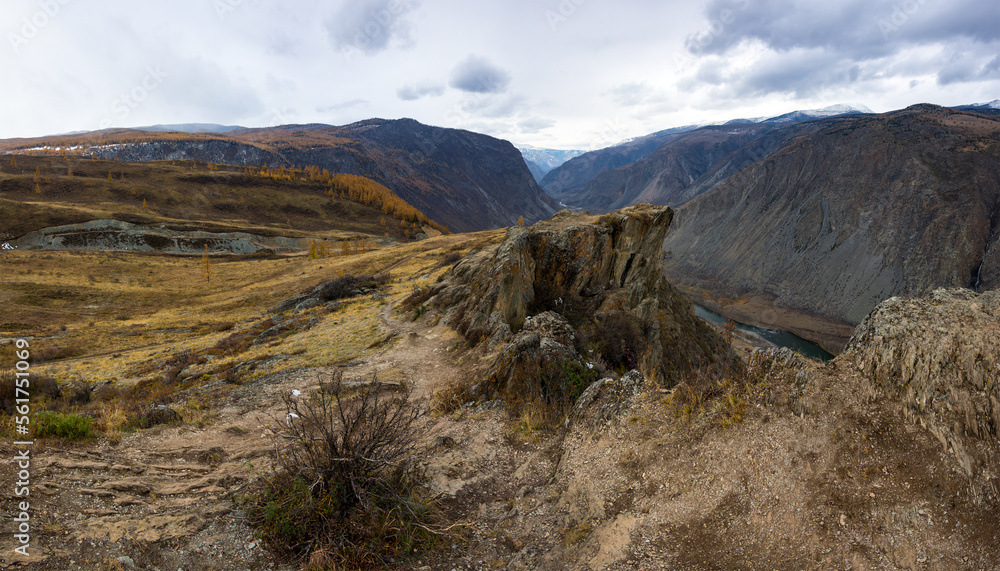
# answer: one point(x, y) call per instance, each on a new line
point(344, 488)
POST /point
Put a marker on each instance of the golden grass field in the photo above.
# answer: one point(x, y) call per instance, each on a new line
point(120, 316)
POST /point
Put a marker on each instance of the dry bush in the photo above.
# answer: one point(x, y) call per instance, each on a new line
point(39, 387)
point(240, 341)
point(176, 364)
point(350, 286)
point(344, 491)
point(452, 396)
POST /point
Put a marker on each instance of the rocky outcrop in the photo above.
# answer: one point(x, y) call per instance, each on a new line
point(608, 398)
point(118, 235)
point(596, 289)
point(941, 356)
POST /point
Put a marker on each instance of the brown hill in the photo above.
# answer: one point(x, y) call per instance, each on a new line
point(568, 179)
point(45, 191)
point(461, 179)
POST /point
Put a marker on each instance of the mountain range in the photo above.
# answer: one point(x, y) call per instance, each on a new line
point(464, 180)
point(825, 212)
point(541, 161)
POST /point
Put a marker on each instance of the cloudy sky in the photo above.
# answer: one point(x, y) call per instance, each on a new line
point(550, 73)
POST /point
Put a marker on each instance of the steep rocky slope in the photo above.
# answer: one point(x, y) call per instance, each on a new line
point(686, 166)
point(564, 181)
point(864, 209)
point(464, 180)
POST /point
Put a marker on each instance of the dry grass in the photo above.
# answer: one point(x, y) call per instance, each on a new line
point(703, 396)
point(143, 328)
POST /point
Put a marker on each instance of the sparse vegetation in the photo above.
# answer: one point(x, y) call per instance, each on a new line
point(345, 493)
point(48, 424)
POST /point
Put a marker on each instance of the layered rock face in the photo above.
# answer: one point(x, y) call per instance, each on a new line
point(596, 283)
point(862, 210)
point(941, 356)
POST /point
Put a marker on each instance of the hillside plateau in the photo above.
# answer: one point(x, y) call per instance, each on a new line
point(182, 206)
point(884, 458)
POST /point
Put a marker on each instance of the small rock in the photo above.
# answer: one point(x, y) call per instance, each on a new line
point(251, 545)
point(307, 304)
point(161, 414)
point(445, 441)
point(843, 520)
point(126, 561)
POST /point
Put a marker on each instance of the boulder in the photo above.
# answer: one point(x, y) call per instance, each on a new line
point(939, 355)
point(608, 398)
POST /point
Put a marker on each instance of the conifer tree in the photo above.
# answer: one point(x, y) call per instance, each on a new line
point(206, 265)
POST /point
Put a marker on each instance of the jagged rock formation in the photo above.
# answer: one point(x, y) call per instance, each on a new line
point(594, 284)
point(864, 209)
point(941, 356)
point(608, 398)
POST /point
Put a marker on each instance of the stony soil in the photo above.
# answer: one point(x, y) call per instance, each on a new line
point(824, 471)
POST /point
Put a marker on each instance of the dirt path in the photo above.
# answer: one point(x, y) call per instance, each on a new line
point(176, 484)
point(424, 353)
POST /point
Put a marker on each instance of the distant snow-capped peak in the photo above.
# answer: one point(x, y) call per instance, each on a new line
point(839, 109)
point(995, 104)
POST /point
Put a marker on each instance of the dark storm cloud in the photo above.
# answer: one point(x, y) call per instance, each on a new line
point(809, 45)
point(369, 26)
point(417, 91)
point(478, 75)
point(962, 68)
point(860, 29)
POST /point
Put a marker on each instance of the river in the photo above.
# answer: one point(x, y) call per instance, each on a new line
point(776, 336)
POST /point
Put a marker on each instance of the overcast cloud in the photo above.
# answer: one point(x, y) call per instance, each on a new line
point(551, 73)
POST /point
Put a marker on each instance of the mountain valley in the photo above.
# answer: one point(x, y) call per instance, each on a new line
point(384, 346)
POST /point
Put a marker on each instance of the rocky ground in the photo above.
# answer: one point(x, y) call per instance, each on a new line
point(884, 458)
point(824, 471)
